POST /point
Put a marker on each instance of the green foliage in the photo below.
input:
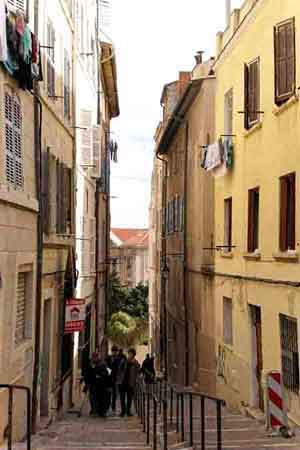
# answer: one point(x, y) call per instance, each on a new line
point(128, 323)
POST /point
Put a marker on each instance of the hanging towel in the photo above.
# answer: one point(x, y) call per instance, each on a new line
point(228, 152)
point(3, 35)
point(11, 62)
point(213, 156)
point(27, 45)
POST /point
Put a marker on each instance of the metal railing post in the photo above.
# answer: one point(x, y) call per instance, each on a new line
point(202, 423)
point(28, 419)
point(144, 412)
point(219, 425)
point(10, 417)
point(171, 405)
point(182, 417)
point(177, 412)
point(191, 421)
point(148, 416)
point(154, 424)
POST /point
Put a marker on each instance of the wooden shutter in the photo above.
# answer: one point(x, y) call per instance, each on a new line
point(97, 151)
point(58, 194)
point(253, 92)
point(21, 308)
point(17, 128)
point(291, 241)
point(45, 191)
point(285, 60)
point(250, 221)
point(246, 96)
point(9, 139)
point(283, 214)
point(86, 139)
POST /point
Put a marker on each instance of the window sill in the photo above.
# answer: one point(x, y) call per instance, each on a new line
point(286, 256)
point(253, 129)
point(277, 110)
point(18, 198)
point(255, 256)
point(228, 255)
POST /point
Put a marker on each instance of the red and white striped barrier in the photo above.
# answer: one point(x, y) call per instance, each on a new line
point(277, 417)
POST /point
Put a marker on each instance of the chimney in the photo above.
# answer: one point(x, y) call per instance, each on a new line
point(198, 57)
point(184, 79)
point(228, 12)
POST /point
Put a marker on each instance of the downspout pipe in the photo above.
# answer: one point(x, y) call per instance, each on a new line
point(185, 272)
point(39, 263)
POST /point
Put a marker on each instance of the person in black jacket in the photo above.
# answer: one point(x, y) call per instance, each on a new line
point(89, 377)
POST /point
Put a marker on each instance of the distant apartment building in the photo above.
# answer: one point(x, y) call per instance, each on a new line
point(129, 255)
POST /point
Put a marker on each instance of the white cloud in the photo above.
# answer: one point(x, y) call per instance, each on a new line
point(154, 40)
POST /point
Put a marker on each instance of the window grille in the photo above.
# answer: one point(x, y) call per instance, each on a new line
point(20, 333)
point(13, 141)
point(17, 5)
point(289, 353)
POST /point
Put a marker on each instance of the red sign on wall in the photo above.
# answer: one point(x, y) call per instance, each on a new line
point(75, 315)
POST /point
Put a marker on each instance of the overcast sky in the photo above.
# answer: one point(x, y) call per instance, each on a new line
point(154, 40)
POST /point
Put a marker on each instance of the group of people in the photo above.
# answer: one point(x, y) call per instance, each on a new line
point(115, 376)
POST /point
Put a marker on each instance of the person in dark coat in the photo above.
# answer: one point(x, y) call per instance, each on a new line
point(90, 377)
point(128, 373)
point(148, 369)
point(103, 386)
point(114, 361)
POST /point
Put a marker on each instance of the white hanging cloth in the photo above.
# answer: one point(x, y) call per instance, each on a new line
point(3, 38)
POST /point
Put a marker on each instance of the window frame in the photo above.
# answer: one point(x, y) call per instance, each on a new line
point(252, 93)
point(279, 97)
point(228, 239)
point(50, 57)
point(228, 333)
point(287, 212)
point(288, 344)
point(253, 220)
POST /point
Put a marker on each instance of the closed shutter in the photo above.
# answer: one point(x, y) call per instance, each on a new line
point(67, 85)
point(291, 212)
point(86, 139)
point(251, 220)
point(92, 244)
point(13, 141)
point(97, 151)
point(246, 96)
point(64, 200)
point(283, 214)
point(285, 60)
point(51, 60)
point(253, 92)
point(21, 309)
point(45, 190)
point(58, 194)
point(17, 5)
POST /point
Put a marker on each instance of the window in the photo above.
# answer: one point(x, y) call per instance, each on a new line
point(285, 60)
point(289, 353)
point(17, 5)
point(228, 224)
point(51, 59)
point(252, 93)
point(63, 199)
point(287, 212)
point(23, 307)
point(45, 190)
point(227, 321)
point(228, 112)
point(253, 219)
point(13, 140)
point(67, 86)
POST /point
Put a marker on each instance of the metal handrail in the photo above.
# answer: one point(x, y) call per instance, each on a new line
point(181, 394)
point(11, 388)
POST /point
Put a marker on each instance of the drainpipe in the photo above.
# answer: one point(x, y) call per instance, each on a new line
point(39, 262)
point(185, 272)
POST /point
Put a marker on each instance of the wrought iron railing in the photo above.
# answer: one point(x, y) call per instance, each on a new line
point(162, 405)
point(9, 430)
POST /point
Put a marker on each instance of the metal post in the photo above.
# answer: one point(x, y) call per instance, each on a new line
point(171, 405)
point(191, 421)
point(144, 412)
point(219, 425)
point(154, 424)
point(177, 413)
point(148, 417)
point(182, 417)
point(202, 423)
point(165, 421)
point(28, 419)
point(10, 416)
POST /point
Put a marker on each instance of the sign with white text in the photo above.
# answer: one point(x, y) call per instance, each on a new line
point(75, 315)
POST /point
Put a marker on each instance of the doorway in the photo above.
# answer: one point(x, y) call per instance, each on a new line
point(46, 358)
point(257, 357)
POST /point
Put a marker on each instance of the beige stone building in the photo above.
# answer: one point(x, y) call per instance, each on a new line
point(129, 255)
point(181, 294)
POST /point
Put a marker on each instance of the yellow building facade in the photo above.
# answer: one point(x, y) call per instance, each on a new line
point(257, 204)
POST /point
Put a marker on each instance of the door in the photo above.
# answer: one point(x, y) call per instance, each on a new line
point(257, 363)
point(46, 359)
